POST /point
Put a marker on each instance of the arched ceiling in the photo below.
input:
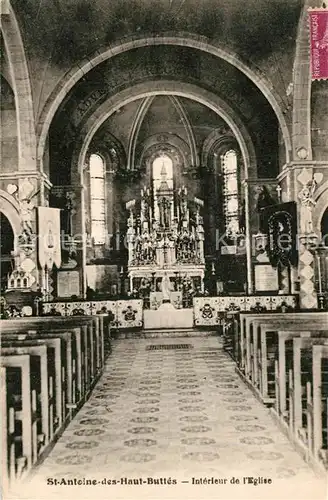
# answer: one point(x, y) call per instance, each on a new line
point(177, 64)
point(68, 30)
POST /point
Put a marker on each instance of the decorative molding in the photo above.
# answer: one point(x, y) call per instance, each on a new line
point(184, 39)
point(208, 310)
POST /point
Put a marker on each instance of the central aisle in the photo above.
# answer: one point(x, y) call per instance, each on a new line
point(173, 413)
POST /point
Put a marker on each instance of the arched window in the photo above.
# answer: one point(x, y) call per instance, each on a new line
point(162, 170)
point(230, 192)
point(97, 199)
point(162, 179)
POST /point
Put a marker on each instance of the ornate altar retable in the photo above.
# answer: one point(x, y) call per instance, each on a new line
point(165, 238)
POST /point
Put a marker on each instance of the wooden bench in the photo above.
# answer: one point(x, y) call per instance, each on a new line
point(303, 414)
point(68, 377)
point(18, 411)
point(320, 402)
point(230, 334)
point(39, 391)
point(50, 365)
point(250, 337)
point(264, 362)
point(54, 346)
point(302, 374)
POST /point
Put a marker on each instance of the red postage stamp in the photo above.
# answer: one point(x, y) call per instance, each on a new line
point(319, 43)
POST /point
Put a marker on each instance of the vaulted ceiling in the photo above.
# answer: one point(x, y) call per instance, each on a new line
point(61, 34)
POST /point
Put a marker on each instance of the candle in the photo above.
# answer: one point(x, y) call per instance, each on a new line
point(319, 274)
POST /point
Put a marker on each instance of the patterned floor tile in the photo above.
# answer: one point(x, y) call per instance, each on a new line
point(186, 413)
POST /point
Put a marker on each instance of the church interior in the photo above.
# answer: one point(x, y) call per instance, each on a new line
point(164, 263)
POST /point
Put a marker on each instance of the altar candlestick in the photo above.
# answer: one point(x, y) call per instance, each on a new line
point(319, 274)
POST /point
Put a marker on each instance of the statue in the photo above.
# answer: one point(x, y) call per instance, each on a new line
point(306, 196)
point(164, 212)
point(166, 287)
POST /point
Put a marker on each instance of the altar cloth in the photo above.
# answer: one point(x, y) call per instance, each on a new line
point(167, 316)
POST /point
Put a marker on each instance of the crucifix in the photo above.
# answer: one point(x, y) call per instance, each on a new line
point(279, 189)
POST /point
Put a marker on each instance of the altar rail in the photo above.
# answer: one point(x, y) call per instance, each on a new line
point(126, 313)
point(208, 310)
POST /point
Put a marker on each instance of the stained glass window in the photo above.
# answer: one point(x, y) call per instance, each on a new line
point(230, 192)
point(162, 176)
point(97, 199)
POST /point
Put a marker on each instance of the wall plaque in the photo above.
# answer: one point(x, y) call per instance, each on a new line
point(68, 283)
point(266, 278)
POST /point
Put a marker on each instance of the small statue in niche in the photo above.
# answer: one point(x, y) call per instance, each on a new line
point(264, 200)
point(306, 197)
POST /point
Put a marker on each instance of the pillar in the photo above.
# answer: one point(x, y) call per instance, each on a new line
point(305, 187)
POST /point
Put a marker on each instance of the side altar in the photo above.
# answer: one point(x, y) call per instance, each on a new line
point(165, 238)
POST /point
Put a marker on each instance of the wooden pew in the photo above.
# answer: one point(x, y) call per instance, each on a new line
point(73, 350)
point(93, 328)
point(265, 363)
point(54, 355)
point(305, 415)
point(7, 431)
point(39, 391)
point(71, 353)
point(230, 334)
point(18, 410)
point(320, 403)
point(66, 385)
point(302, 371)
point(249, 335)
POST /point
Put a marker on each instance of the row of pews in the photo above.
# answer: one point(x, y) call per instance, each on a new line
point(283, 357)
point(49, 366)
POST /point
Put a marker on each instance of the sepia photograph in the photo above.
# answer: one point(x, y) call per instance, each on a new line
point(164, 249)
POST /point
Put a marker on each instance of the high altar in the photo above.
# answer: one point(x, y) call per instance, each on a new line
point(165, 238)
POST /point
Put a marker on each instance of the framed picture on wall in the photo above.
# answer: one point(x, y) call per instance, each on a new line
point(265, 278)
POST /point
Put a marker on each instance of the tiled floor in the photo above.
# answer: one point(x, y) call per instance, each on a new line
point(178, 414)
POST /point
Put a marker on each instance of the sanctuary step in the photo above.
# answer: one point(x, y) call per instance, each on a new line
point(165, 333)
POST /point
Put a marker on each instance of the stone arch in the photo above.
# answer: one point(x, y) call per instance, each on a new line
point(215, 139)
point(301, 126)
point(142, 112)
point(171, 140)
point(321, 199)
point(154, 151)
point(165, 87)
point(20, 80)
point(10, 208)
point(140, 115)
point(180, 39)
point(102, 143)
point(190, 133)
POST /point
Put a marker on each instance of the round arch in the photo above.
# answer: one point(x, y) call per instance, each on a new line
point(169, 140)
point(20, 81)
point(301, 127)
point(9, 207)
point(215, 138)
point(321, 206)
point(183, 39)
point(162, 87)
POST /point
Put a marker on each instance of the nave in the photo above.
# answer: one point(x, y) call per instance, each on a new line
point(173, 408)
